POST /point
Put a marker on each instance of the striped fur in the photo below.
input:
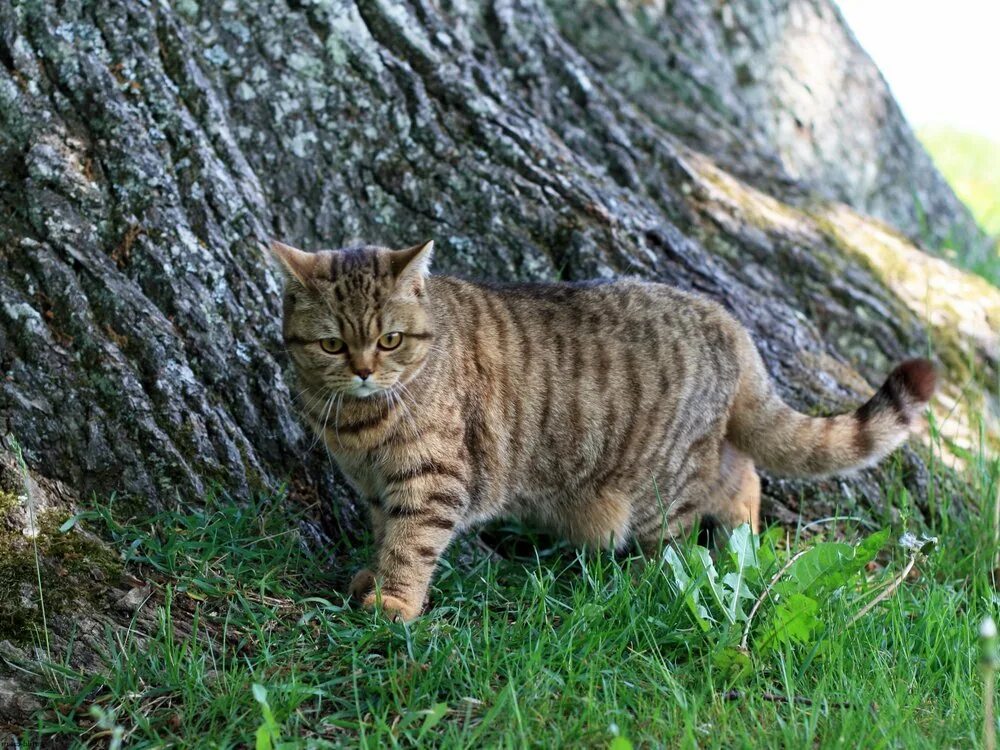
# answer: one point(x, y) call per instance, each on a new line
point(604, 411)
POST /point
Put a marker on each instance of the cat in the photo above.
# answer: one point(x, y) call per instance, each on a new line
point(604, 411)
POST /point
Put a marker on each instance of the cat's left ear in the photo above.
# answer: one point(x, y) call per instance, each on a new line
point(411, 266)
point(297, 264)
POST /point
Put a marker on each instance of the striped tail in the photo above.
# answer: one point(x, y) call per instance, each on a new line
point(787, 442)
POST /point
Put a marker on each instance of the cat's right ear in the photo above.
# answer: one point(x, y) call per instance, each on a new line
point(411, 266)
point(298, 264)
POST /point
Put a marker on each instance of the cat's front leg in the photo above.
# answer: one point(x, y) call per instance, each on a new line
point(422, 513)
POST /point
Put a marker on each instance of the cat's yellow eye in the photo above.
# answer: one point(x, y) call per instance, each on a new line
point(389, 341)
point(332, 346)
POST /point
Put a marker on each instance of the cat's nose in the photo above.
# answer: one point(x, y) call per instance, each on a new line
point(363, 373)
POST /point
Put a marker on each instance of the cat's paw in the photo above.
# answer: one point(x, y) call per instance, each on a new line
point(362, 583)
point(392, 607)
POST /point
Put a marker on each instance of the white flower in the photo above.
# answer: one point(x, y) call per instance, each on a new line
point(988, 628)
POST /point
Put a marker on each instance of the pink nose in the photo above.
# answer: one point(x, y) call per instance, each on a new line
point(363, 373)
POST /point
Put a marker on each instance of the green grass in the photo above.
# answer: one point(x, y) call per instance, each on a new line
point(546, 648)
point(971, 164)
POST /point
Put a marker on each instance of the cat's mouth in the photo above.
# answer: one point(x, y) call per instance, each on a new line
point(364, 390)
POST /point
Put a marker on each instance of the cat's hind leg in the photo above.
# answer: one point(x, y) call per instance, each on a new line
point(599, 522)
point(670, 514)
point(727, 489)
point(688, 489)
point(736, 497)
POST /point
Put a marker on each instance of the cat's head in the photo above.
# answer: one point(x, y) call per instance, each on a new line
point(356, 321)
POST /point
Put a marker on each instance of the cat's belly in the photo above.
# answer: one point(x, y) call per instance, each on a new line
point(591, 519)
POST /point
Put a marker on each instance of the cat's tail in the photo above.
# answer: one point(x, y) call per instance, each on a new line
point(787, 442)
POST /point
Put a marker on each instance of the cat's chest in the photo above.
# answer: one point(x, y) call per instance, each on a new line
point(367, 470)
point(360, 472)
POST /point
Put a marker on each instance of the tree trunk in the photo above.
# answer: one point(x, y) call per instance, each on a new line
point(147, 150)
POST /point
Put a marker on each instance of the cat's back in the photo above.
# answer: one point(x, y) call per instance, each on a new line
point(566, 309)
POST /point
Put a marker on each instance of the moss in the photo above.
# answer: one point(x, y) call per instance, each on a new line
point(255, 482)
point(960, 310)
point(934, 291)
point(758, 209)
point(75, 567)
point(8, 501)
point(18, 613)
point(184, 437)
point(108, 390)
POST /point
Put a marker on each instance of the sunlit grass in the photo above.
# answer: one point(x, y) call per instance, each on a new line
point(543, 648)
point(971, 164)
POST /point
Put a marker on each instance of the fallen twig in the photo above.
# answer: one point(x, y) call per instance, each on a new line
point(834, 519)
point(887, 591)
point(738, 695)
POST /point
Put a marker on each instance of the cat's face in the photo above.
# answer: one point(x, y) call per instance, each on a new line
point(356, 321)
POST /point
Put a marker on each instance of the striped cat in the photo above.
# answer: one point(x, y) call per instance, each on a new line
point(575, 406)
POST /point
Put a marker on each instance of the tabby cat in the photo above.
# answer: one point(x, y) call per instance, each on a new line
point(604, 411)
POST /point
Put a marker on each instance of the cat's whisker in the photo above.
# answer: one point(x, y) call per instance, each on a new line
point(336, 420)
point(322, 394)
point(321, 434)
point(309, 409)
point(392, 400)
point(326, 444)
point(407, 419)
point(405, 393)
point(302, 394)
point(393, 403)
point(316, 399)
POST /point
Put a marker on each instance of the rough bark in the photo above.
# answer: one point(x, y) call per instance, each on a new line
point(148, 149)
point(774, 90)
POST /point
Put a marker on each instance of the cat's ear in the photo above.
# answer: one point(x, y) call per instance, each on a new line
point(298, 264)
point(411, 266)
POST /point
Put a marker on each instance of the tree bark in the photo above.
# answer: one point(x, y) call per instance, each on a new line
point(749, 150)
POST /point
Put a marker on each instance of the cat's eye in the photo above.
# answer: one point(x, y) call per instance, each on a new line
point(332, 346)
point(389, 341)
